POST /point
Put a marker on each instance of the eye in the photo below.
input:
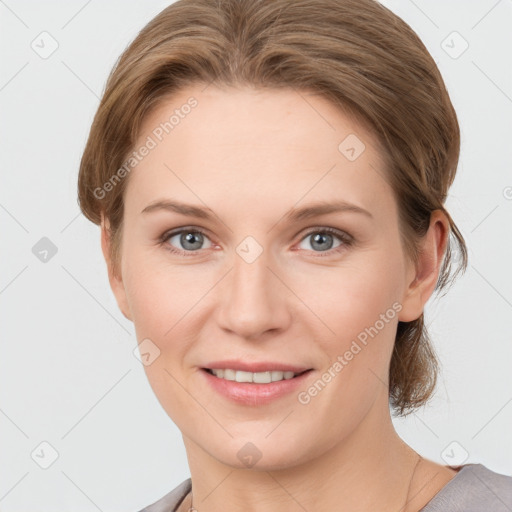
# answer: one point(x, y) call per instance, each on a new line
point(323, 240)
point(185, 240)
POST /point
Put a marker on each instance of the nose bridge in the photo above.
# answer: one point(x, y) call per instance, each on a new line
point(253, 301)
point(251, 277)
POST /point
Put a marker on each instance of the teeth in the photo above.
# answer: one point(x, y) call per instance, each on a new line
point(258, 377)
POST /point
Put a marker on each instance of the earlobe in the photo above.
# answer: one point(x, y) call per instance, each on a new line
point(422, 281)
point(116, 281)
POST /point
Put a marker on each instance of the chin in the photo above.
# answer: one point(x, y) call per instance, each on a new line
point(257, 455)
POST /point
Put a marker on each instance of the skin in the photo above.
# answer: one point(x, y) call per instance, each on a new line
point(250, 156)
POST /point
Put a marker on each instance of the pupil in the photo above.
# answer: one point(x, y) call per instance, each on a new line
point(321, 238)
point(189, 238)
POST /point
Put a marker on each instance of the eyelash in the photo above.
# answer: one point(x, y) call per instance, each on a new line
point(345, 238)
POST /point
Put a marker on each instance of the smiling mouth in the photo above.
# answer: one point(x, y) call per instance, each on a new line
point(253, 377)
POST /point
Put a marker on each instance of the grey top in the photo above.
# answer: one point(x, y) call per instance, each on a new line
point(474, 488)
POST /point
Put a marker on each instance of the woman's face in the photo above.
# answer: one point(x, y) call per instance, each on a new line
point(249, 272)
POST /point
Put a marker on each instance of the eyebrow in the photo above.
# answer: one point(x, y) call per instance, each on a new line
point(295, 214)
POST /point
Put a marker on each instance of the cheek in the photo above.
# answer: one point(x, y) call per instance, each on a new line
point(160, 295)
point(360, 305)
point(159, 301)
point(353, 297)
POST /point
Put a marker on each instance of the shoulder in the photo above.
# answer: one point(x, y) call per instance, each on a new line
point(473, 489)
point(171, 500)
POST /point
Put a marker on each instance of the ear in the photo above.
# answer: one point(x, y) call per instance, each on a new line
point(116, 282)
point(422, 279)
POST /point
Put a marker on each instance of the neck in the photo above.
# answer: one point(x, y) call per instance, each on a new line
point(368, 470)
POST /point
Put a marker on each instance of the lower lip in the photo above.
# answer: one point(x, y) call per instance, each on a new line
point(255, 394)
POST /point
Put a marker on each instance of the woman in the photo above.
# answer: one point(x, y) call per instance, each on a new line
point(234, 140)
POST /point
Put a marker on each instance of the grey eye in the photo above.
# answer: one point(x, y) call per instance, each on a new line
point(188, 240)
point(321, 241)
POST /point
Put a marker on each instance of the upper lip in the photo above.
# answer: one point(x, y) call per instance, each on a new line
point(255, 367)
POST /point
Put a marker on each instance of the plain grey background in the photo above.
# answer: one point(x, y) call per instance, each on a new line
point(74, 398)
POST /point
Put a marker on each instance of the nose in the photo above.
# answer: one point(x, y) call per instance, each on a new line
point(253, 299)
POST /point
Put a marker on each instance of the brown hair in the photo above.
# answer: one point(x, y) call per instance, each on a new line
point(357, 54)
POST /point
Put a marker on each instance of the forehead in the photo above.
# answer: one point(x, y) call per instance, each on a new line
point(264, 147)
